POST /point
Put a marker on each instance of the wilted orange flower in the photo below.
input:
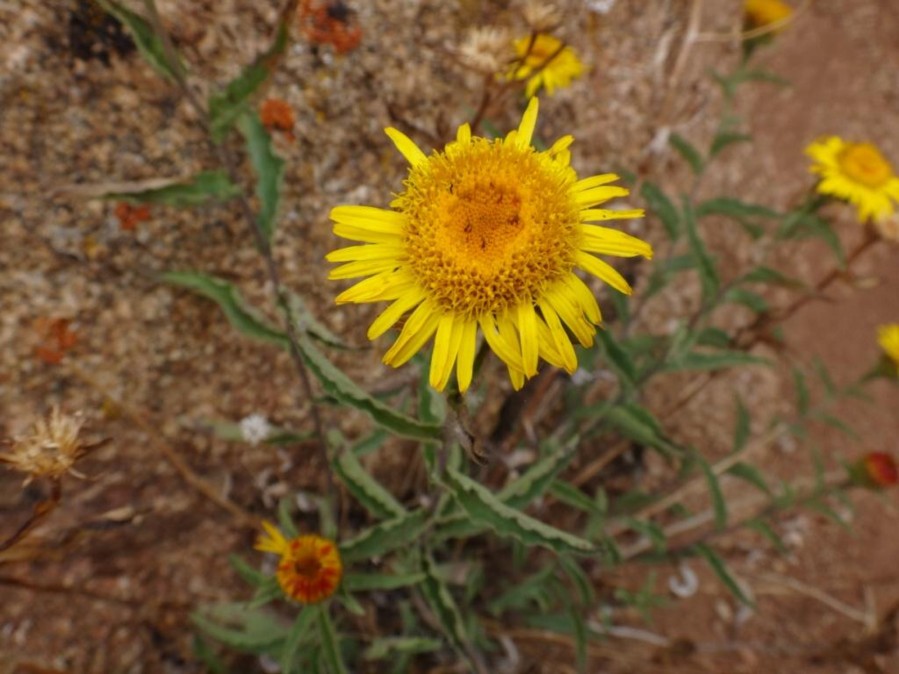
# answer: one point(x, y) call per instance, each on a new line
point(129, 216)
point(56, 338)
point(309, 569)
point(875, 470)
point(277, 115)
point(330, 22)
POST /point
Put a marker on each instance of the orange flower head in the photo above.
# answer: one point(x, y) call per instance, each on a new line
point(277, 115)
point(309, 570)
point(130, 216)
point(881, 469)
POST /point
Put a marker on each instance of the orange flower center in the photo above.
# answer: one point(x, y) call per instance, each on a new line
point(307, 566)
point(863, 163)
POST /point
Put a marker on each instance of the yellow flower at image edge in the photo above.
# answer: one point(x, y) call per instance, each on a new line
point(857, 173)
point(888, 338)
point(309, 569)
point(486, 236)
point(546, 62)
point(765, 12)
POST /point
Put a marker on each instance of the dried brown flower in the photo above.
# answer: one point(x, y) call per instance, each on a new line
point(51, 449)
point(487, 50)
point(541, 17)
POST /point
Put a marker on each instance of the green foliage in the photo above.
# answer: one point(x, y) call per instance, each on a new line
point(688, 152)
point(385, 537)
point(269, 169)
point(723, 572)
point(705, 265)
point(237, 625)
point(151, 45)
point(377, 500)
point(661, 206)
point(201, 189)
point(637, 423)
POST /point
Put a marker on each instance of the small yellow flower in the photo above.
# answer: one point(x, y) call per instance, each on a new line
point(309, 569)
point(760, 13)
point(888, 338)
point(486, 236)
point(546, 61)
point(857, 173)
point(50, 451)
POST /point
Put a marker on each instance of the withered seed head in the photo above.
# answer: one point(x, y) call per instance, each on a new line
point(51, 449)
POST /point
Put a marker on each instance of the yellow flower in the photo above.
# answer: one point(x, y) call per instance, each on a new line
point(857, 173)
point(309, 569)
point(487, 235)
point(888, 338)
point(544, 60)
point(765, 12)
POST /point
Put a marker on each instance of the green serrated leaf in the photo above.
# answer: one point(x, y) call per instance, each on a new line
point(346, 391)
point(723, 572)
point(619, 358)
point(383, 647)
point(307, 322)
point(330, 643)
point(638, 424)
point(802, 393)
point(368, 491)
point(579, 578)
point(705, 265)
point(227, 105)
point(660, 205)
point(748, 299)
point(247, 572)
point(385, 537)
point(651, 530)
point(240, 627)
point(537, 478)
point(734, 208)
point(762, 274)
point(441, 602)
point(570, 495)
point(268, 166)
point(243, 318)
point(485, 508)
point(803, 225)
point(750, 474)
point(765, 530)
point(196, 191)
point(715, 360)
point(835, 422)
point(150, 44)
point(686, 150)
point(729, 83)
point(532, 591)
point(375, 582)
point(204, 653)
point(293, 656)
point(725, 139)
point(719, 505)
point(713, 337)
point(741, 426)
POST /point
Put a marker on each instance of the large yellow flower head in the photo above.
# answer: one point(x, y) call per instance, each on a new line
point(487, 234)
point(857, 173)
point(760, 13)
point(546, 61)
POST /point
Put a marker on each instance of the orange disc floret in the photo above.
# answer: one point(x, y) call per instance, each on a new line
point(331, 22)
point(310, 568)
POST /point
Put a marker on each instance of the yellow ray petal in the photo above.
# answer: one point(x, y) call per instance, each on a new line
point(559, 336)
point(465, 360)
point(598, 195)
point(526, 321)
point(272, 540)
point(599, 214)
point(528, 123)
point(613, 242)
point(463, 135)
point(394, 312)
point(406, 146)
point(507, 352)
point(583, 298)
point(362, 268)
point(603, 270)
point(384, 286)
point(446, 348)
point(366, 252)
point(418, 329)
point(570, 312)
point(594, 181)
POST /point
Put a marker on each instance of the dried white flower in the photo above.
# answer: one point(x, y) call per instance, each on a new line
point(50, 451)
point(486, 50)
point(542, 17)
point(600, 6)
point(255, 428)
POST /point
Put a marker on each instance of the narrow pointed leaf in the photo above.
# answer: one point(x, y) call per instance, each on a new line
point(268, 166)
point(385, 537)
point(149, 43)
point(368, 491)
